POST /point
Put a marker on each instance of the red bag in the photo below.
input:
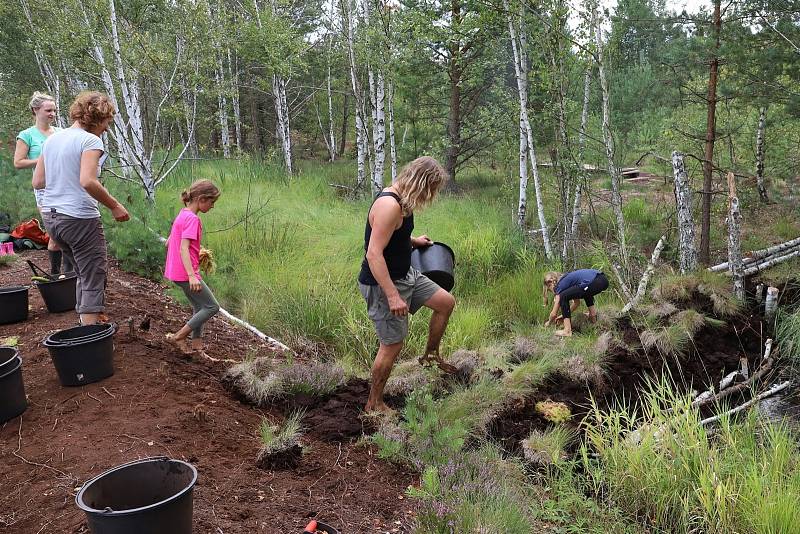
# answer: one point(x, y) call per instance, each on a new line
point(31, 230)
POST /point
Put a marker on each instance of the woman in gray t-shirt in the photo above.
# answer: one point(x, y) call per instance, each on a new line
point(68, 173)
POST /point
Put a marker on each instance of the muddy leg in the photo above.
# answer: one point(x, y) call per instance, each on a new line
point(442, 304)
point(381, 370)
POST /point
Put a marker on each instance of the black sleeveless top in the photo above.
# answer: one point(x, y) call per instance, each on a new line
point(397, 252)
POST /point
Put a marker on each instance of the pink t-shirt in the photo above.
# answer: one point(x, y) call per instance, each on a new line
point(187, 225)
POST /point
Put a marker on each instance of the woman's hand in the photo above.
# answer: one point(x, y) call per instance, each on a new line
point(194, 284)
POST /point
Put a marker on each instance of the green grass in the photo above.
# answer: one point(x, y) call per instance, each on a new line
point(280, 437)
point(674, 476)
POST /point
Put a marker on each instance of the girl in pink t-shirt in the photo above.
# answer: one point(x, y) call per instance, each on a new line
point(183, 260)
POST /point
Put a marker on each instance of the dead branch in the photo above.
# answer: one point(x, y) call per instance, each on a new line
point(771, 391)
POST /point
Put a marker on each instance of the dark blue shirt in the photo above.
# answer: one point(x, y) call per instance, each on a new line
point(581, 277)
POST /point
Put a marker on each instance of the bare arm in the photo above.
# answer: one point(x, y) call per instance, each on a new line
point(21, 160)
point(38, 181)
point(186, 260)
point(385, 215)
point(90, 160)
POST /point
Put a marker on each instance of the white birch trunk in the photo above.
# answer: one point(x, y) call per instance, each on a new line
point(392, 145)
point(332, 137)
point(282, 114)
point(735, 240)
point(522, 206)
point(683, 199)
point(576, 204)
point(752, 269)
point(378, 101)
point(762, 124)
point(759, 256)
point(233, 76)
point(222, 110)
point(616, 196)
point(361, 141)
point(771, 304)
point(521, 71)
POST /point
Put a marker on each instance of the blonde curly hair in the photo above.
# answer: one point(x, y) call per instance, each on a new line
point(419, 182)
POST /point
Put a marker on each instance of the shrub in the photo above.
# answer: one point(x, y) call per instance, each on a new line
point(280, 444)
point(263, 379)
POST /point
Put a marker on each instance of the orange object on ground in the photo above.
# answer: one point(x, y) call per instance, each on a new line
point(31, 230)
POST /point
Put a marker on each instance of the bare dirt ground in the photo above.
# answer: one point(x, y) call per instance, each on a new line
point(161, 403)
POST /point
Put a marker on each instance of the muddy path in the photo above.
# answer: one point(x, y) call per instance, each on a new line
point(160, 403)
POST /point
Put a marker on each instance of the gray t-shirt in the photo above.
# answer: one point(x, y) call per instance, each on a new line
point(62, 166)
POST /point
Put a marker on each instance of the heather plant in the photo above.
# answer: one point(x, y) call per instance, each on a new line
point(280, 443)
point(262, 379)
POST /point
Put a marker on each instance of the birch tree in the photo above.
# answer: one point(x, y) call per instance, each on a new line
point(608, 140)
point(762, 122)
point(519, 49)
point(683, 200)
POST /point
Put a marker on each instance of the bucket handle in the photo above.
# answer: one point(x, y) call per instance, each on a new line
point(38, 271)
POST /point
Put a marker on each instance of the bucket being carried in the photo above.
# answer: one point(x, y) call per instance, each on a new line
point(83, 354)
point(437, 262)
point(153, 495)
point(12, 390)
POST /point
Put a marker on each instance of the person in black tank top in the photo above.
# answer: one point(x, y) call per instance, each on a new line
point(391, 287)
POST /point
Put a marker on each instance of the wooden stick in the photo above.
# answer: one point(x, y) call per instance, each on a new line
point(772, 391)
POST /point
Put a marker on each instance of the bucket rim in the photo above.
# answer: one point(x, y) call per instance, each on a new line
point(10, 290)
point(14, 353)
point(14, 366)
point(117, 513)
point(82, 340)
point(67, 277)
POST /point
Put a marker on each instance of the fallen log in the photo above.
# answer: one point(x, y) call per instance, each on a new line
point(753, 269)
point(757, 255)
point(768, 393)
point(707, 397)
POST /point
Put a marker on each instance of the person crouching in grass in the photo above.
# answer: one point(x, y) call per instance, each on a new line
point(183, 263)
point(569, 289)
point(388, 283)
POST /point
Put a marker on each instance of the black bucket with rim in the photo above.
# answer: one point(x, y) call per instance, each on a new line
point(12, 390)
point(82, 354)
point(59, 294)
point(13, 304)
point(437, 262)
point(153, 495)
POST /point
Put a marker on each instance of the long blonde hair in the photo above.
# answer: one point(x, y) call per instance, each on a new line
point(550, 277)
point(419, 182)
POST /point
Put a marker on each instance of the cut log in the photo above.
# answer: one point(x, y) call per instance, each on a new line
point(771, 305)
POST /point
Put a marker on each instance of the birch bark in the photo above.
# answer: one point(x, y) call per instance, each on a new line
point(361, 132)
point(576, 205)
point(683, 200)
point(762, 123)
point(616, 196)
point(233, 76)
point(521, 71)
point(392, 145)
point(332, 143)
point(735, 239)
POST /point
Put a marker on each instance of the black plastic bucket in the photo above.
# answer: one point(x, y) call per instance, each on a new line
point(12, 390)
point(437, 262)
point(152, 496)
point(326, 528)
point(59, 295)
point(13, 304)
point(83, 354)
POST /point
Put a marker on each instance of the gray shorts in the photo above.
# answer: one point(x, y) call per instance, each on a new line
point(416, 289)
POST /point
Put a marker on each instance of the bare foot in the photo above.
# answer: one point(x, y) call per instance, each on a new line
point(179, 344)
point(563, 333)
point(197, 344)
point(378, 410)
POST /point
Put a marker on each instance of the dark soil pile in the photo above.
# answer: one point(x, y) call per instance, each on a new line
point(161, 403)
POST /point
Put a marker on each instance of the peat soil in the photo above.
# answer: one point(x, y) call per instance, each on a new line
point(159, 402)
point(714, 352)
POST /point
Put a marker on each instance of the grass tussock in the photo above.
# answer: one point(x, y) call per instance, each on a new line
point(713, 287)
point(548, 447)
point(675, 337)
point(676, 478)
point(280, 443)
point(787, 332)
point(263, 379)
